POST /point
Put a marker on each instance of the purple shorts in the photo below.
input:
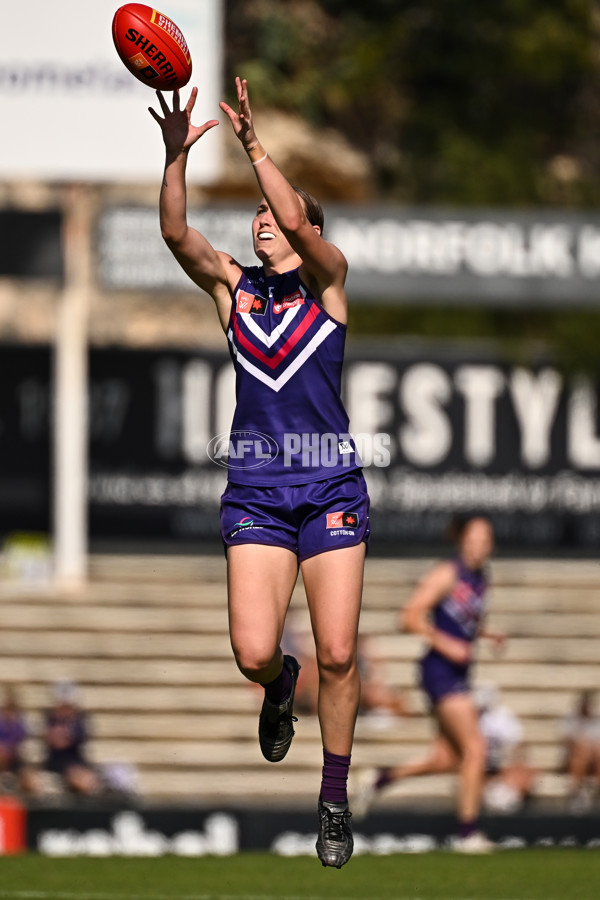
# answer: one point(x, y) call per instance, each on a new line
point(440, 677)
point(305, 518)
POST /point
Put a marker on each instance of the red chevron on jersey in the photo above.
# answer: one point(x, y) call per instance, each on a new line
point(273, 361)
point(288, 365)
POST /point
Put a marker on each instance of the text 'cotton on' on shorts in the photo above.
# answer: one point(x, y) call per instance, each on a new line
point(439, 677)
point(305, 518)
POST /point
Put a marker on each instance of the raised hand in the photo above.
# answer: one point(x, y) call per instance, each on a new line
point(176, 126)
point(242, 120)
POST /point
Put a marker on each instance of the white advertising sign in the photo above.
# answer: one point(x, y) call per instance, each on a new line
point(71, 111)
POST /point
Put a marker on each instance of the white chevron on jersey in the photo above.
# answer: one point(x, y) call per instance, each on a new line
point(277, 383)
point(268, 339)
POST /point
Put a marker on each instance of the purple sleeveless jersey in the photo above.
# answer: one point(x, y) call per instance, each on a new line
point(458, 614)
point(289, 426)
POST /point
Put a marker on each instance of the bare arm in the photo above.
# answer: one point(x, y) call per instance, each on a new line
point(324, 265)
point(498, 638)
point(416, 615)
point(212, 270)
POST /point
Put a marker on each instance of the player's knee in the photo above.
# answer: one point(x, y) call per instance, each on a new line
point(336, 659)
point(252, 662)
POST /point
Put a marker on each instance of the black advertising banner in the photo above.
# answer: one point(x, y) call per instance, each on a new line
point(440, 430)
point(395, 254)
point(198, 831)
point(25, 439)
point(30, 244)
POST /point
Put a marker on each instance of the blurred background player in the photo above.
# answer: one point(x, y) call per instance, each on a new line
point(508, 777)
point(286, 325)
point(448, 610)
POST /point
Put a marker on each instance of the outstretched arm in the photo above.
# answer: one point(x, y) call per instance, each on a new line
point(323, 261)
point(211, 269)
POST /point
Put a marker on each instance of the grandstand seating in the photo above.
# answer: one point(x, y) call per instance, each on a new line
point(147, 642)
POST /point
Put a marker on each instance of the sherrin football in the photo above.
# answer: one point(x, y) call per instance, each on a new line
point(152, 47)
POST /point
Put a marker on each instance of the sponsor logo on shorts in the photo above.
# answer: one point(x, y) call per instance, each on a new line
point(245, 522)
point(289, 302)
point(342, 520)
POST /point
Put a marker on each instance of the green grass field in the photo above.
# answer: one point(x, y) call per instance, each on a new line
point(539, 874)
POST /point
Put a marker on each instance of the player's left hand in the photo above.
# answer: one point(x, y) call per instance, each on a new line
point(242, 120)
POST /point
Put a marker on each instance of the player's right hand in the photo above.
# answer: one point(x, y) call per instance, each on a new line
point(177, 130)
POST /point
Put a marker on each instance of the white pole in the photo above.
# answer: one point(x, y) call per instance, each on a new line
point(70, 393)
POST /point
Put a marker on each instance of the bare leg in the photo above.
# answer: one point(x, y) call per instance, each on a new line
point(333, 583)
point(440, 759)
point(260, 581)
point(458, 720)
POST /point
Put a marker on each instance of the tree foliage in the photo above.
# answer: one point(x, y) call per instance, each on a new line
point(454, 101)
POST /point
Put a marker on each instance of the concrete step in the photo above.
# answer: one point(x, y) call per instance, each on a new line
point(272, 784)
point(115, 645)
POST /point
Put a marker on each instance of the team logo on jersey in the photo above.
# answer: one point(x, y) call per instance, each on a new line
point(342, 520)
point(288, 302)
point(251, 303)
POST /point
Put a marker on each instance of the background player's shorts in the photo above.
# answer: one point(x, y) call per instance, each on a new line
point(439, 677)
point(305, 518)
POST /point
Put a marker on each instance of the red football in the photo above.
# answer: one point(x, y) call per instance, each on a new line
point(151, 46)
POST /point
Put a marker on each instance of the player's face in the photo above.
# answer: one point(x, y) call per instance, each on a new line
point(270, 245)
point(477, 542)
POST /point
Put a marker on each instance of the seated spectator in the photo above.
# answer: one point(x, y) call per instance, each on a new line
point(14, 771)
point(65, 737)
point(509, 779)
point(580, 734)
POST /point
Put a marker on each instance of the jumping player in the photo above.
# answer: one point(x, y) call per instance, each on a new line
point(447, 609)
point(296, 497)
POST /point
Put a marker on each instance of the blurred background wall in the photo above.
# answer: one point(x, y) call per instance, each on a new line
point(454, 147)
point(456, 157)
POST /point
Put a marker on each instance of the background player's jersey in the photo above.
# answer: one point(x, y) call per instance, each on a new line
point(461, 611)
point(289, 425)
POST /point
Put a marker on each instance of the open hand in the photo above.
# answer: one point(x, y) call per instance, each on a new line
point(176, 126)
point(242, 120)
